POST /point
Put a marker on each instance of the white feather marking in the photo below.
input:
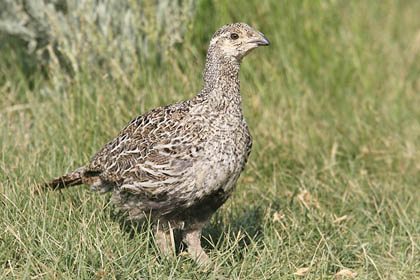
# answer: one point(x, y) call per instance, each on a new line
point(112, 165)
point(136, 151)
point(114, 149)
point(154, 165)
point(163, 146)
point(148, 170)
point(138, 186)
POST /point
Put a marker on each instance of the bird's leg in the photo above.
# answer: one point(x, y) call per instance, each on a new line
point(192, 239)
point(165, 241)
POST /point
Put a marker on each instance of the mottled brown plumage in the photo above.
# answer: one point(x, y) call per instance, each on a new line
point(178, 164)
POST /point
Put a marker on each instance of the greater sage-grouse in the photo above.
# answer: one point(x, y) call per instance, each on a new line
point(179, 163)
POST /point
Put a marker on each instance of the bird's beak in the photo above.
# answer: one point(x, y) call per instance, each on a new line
point(261, 40)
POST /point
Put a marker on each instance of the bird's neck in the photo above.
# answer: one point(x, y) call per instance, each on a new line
point(221, 83)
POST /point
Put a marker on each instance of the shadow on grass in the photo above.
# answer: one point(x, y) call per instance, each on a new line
point(243, 228)
point(247, 223)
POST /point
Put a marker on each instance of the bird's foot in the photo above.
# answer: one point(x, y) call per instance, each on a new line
point(192, 240)
point(165, 241)
point(201, 258)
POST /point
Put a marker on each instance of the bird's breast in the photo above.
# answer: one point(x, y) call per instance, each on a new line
point(226, 152)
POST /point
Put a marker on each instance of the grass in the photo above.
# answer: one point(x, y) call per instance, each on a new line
point(332, 182)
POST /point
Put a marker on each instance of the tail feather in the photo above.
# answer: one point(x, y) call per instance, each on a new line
point(71, 179)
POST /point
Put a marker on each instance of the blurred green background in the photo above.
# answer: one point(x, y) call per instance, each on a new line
point(332, 186)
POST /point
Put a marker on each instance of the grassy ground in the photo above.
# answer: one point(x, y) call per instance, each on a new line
point(332, 186)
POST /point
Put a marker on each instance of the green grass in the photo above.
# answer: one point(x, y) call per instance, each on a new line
point(333, 178)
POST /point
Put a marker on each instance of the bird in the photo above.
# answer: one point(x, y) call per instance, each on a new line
point(179, 163)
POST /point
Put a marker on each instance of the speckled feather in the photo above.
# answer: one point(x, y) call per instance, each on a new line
point(180, 163)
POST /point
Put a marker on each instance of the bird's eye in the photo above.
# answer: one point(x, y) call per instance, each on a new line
point(234, 36)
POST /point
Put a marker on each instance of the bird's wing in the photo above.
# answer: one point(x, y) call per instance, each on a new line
point(155, 150)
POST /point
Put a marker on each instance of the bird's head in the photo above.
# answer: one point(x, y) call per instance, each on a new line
point(236, 40)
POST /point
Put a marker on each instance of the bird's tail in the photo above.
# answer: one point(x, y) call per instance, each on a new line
point(70, 179)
